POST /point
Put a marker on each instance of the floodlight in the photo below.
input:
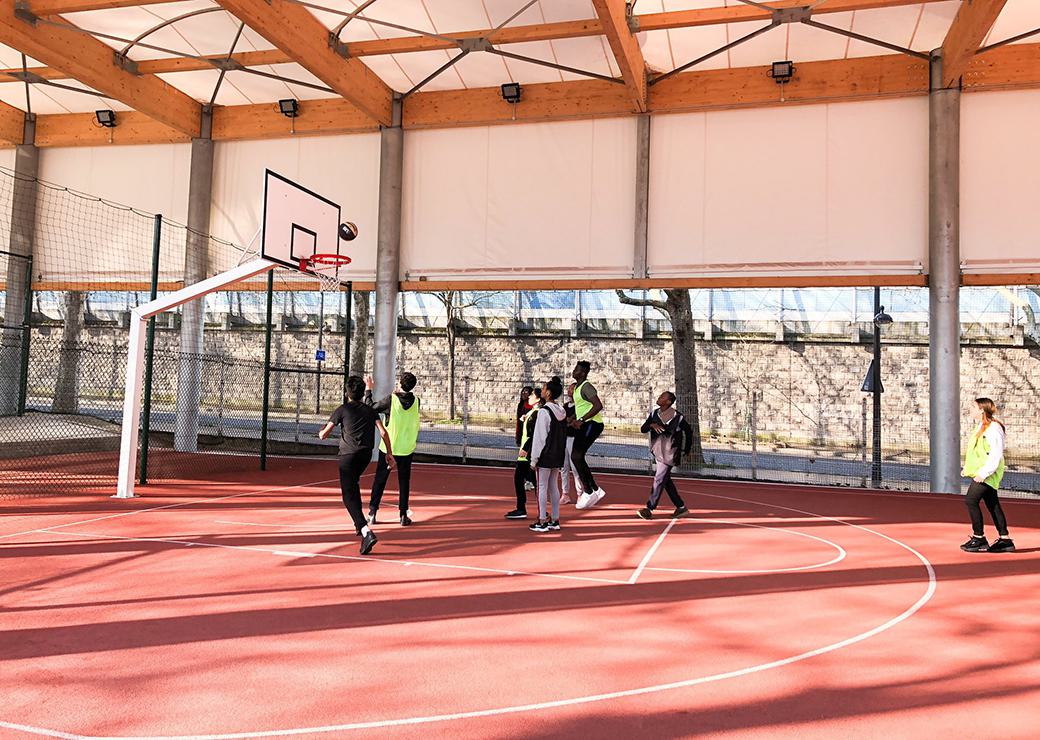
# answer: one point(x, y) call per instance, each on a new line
point(106, 118)
point(511, 92)
point(290, 107)
point(782, 72)
point(882, 318)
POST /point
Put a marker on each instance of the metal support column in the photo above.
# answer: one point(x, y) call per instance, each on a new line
point(189, 371)
point(642, 195)
point(944, 282)
point(266, 408)
point(149, 353)
point(388, 253)
point(18, 304)
point(348, 333)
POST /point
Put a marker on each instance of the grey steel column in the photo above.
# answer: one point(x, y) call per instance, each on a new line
point(189, 370)
point(388, 253)
point(944, 282)
point(23, 234)
point(642, 195)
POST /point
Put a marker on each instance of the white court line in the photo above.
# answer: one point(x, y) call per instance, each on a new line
point(499, 711)
point(171, 506)
point(650, 553)
point(837, 559)
point(365, 558)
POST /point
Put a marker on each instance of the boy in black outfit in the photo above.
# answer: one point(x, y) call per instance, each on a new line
point(358, 423)
point(524, 472)
point(671, 437)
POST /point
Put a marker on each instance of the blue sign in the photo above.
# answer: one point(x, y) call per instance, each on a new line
point(320, 355)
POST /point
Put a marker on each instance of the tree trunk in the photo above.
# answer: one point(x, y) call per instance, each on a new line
point(66, 386)
point(684, 354)
point(359, 339)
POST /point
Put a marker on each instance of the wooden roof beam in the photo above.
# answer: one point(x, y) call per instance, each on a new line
point(297, 32)
point(12, 124)
point(974, 20)
point(93, 63)
point(613, 18)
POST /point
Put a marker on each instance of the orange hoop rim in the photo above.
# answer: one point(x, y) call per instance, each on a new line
point(324, 261)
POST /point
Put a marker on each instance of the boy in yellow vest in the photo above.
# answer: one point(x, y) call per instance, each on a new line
point(402, 427)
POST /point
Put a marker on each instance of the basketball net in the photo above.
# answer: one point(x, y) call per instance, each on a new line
point(326, 268)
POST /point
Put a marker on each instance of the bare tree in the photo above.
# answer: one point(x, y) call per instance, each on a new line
point(676, 306)
point(1032, 327)
point(359, 340)
point(455, 302)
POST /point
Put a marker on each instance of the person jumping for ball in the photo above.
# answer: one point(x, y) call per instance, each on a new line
point(668, 429)
point(402, 425)
point(358, 424)
point(589, 425)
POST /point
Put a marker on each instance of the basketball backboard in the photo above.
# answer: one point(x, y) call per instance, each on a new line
point(298, 223)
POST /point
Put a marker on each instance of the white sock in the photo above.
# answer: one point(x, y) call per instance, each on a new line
point(365, 530)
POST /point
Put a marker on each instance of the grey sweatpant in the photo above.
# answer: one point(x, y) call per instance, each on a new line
point(548, 489)
point(663, 482)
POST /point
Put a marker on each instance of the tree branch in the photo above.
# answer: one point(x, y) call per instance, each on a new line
point(629, 301)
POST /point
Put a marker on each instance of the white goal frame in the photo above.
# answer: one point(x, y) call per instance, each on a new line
point(135, 360)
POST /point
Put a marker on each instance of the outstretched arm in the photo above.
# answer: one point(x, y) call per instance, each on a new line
point(383, 405)
point(386, 443)
point(326, 430)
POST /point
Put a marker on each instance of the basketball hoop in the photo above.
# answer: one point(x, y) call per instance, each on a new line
point(326, 268)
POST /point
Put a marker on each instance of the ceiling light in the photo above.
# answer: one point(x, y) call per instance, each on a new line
point(782, 72)
point(106, 118)
point(290, 107)
point(511, 92)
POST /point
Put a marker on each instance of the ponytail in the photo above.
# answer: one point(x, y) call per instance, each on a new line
point(989, 411)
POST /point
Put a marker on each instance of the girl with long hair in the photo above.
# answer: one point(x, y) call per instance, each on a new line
point(984, 464)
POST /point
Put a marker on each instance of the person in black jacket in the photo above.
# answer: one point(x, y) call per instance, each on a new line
point(523, 473)
point(671, 437)
point(523, 408)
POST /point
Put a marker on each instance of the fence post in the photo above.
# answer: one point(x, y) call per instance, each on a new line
point(465, 416)
point(265, 410)
point(299, 401)
point(23, 380)
point(651, 462)
point(149, 353)
point(347, 334)
point(754, 435)
point(863, 441)
point(220, 397)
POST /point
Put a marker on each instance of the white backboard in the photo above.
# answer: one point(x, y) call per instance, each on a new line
point(297, 222)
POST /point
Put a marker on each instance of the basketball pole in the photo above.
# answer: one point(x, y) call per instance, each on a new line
point(149, 353)
point(267, 372)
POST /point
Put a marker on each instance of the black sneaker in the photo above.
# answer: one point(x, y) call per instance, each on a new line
point(680, 511)
point(368, 542)
point(553, 525)
point(405, 521)
point(539, 526)
point(1003, 544)
point(976, 544)
point(645, 513)
point(517, 514)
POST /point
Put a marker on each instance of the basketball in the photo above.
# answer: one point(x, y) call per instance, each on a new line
point(348, 231)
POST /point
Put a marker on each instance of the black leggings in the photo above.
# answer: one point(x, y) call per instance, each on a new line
point(351, 468)
point(403, 465)
point(980, 491)
point(588, 434)
point(522, 474)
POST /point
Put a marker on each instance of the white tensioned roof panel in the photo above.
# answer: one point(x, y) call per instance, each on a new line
point(1018, 16)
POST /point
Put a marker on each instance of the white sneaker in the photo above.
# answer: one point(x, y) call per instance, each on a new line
point(528, 485)
point(596, 497)
point(564, 500)
point(583, 501)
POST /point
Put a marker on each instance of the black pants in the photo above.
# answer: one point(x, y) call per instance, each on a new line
point(980, 491)
point(351, 468)
point(403, 464)
point(588, 434)
point(663, 482)
point(522, 474)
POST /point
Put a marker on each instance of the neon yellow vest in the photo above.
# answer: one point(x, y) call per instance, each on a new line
point(978, 451)
point(403, 427)
point(581, 406)
point(523, 433)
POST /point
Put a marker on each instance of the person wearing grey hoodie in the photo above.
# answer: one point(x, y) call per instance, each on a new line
point(671, 437)
point(547, 454)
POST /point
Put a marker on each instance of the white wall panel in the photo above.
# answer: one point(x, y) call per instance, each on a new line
point(79, 239)
point(836, 188)
point(1000, 181)
point(344, 169)
point(531, 201)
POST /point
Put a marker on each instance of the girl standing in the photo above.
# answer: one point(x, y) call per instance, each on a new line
point(524, 473)
point(547, 453)
point(984, 464)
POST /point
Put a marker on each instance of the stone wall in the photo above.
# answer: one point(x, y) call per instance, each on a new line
point(807, 390)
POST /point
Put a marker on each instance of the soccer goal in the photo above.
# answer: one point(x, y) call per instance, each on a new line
point(301, 230)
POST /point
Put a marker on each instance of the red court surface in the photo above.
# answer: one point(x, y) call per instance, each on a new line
point(240, 608)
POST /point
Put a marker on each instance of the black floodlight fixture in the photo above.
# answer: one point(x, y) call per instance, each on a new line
point(882, 318)
point(106, 118)
point(782, 72)
point(290, 107)
point(511, 92)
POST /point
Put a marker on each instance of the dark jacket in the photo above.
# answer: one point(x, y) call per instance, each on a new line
point(676, 440)
point(407, 398)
